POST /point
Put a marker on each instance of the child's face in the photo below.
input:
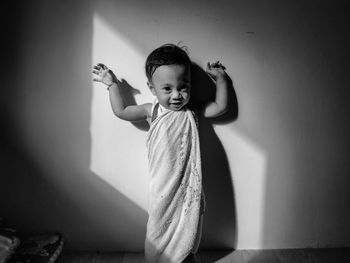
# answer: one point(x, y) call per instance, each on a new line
point(171, 84)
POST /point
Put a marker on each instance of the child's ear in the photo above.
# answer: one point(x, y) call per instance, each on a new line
point(149, 84)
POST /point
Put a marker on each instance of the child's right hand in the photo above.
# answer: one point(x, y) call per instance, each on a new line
point(104, 75)
point(215, 70)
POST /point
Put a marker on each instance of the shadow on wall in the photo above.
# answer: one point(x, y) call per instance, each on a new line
point(46, 184)
point(219, 228)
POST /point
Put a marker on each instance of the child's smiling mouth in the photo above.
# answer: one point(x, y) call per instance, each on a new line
point(177, 104)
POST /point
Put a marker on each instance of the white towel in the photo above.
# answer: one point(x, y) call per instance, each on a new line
point(176, 198)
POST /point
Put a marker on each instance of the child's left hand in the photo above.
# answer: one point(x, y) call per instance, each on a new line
point(215, 70)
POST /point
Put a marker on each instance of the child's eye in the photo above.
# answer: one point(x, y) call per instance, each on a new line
point(167, 89)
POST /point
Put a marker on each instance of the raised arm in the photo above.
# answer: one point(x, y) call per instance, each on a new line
point(131, 113)
point(219, 106)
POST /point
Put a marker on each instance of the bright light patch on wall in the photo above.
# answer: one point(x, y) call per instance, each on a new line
point(118, 151)
point(248, 168)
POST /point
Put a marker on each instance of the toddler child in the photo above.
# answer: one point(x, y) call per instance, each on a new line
point(176, 198)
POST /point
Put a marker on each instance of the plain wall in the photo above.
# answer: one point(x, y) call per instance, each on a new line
point(276, 175)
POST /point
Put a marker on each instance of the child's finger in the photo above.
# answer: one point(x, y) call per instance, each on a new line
point(208, 66)
point(102, 66)
point(95, 72)
point(96, 79)
point(96, 67)
point(219, 65)
point(213, 65)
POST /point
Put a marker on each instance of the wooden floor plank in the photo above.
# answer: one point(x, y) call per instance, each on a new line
point(334, 255)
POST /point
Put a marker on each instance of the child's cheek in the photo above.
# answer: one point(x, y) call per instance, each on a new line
point(187, 98)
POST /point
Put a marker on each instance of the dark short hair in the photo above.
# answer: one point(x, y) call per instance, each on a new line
point(168, 54)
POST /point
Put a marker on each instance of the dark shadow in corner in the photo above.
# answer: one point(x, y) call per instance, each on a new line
point(52, 210)
point(128, 93)
point(219, 228)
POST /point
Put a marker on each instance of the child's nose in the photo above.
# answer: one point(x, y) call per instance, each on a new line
point(176, 95)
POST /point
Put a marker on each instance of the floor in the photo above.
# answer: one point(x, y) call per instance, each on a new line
point(331, 255)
